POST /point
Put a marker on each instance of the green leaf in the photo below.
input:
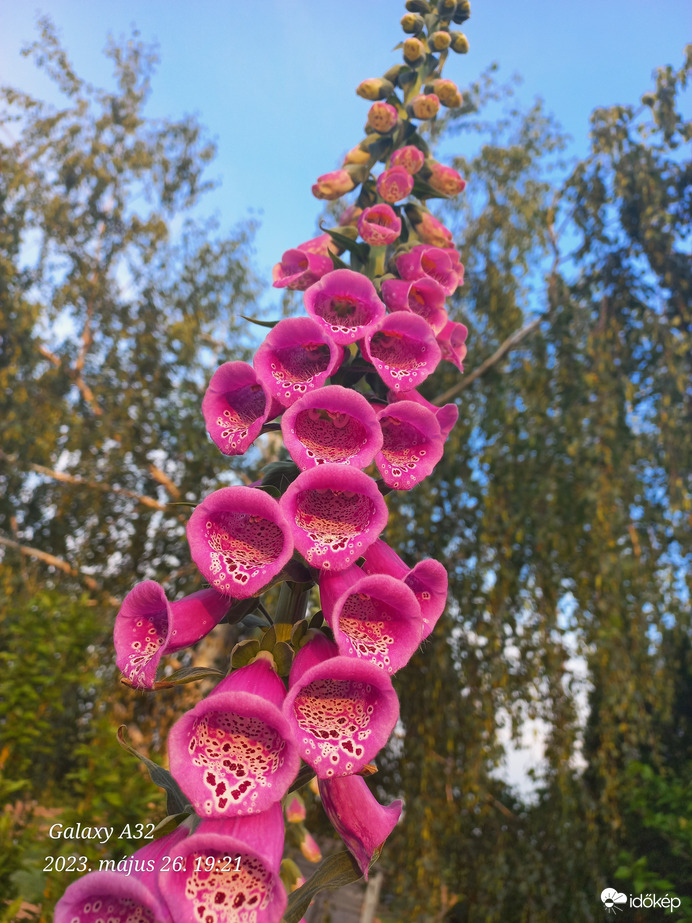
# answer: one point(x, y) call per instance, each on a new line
point(260, 323)
point(361, 250)
point(189, 675)
point(170, 823)
point(176, 801)
point(423, 190)
point(244, 652)
point(333, 872)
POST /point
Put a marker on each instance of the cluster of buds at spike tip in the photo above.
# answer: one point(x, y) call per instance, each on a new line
point(342, 384)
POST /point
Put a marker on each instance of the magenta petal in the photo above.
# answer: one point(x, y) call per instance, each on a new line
point(214, 886)
point(423, 297)
point(403, 351)
point(239, 540)
point(357, 816)
point(127, 894)
point(233, 753)
point(412, 444)
point(428, 580)
point(296, 356)
point(235, 406)
point(377, 618)
point(452, 343)
point(335, 512)
point(299, 269)
point(149, 626)
point(437, 263)
point(342, 710)
point(447, 415)
point(345, 303)
point(333, 424)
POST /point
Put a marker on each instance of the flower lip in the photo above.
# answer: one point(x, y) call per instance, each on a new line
point(344, 303)
point(335, 512)
point(412, 445)
point(403, 350)
point(360, 820)
point(233, 753)
point(333, 424)
point(235, 407)
point(424, 297)
point(296, 356)
point(247, 892)
point(149, 626)
point(342, 709)
point(239, 539)
point(375, 617)
point(128, 897)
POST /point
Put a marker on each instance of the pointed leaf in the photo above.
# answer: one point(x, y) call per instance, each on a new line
point(188, 675)
point(333, 872)
point(176, 801)
point(260, 323)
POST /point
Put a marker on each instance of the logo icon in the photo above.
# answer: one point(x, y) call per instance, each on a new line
point(611, 898)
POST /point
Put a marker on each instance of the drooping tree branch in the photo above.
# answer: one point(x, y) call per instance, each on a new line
point(60, 564)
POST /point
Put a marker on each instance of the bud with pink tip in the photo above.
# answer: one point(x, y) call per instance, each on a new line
point(379, 225)
point(333, 185)
point(394, 184)
point(382, 117)
point(425, 106)
point(445, 179)
point(409, 157)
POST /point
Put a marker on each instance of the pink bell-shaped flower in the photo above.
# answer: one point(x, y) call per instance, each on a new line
point(230, 872)
point(379, 225)
point(129, 893)
point(394, 184)
point(403, 350)
point(333, 424)
point(239, 539)
point(357, 816)
point(376, 618)
point(447, 415)
point(296, 356)
point(235, 407)
point(342, 710)
point(423, 297)
point(149, 626)
point(299, 269)
point(335, 512)
point(345, 304)
point(233, 753)
point(439, 264)
point(412, 444)
point(428, 580)
point(452, 342)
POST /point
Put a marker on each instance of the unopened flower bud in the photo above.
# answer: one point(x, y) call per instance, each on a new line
point(356, 155)
point(409, 157)
point(333, 185)
point(445, 179)
point(310, 849)
point(412, 23)
point(291, 876)
point(382, 117)
point(425, 106)
point(462, 12)
point(460, 43)
point(375, 88)
point(440, 40)
point(418, 6)
point(295, 809)
point(448, 93)
point(414, 50)
point(447, 8)
point(394, 184)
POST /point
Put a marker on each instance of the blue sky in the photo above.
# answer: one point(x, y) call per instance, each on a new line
point(274, 80)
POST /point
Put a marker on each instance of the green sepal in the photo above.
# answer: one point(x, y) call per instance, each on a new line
point(239, 610)
point(244, 653)
point(170, 823)
point(335, 871)
point(283, 657)
point(280, 474)
point(298, 632)
point(260, 323)
point(423, 190)
point(346, 242)
point(337, 262)
point(176, 801)
point(188, 675)
point(407, 76)
point(268, 640)
point(316, 620)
